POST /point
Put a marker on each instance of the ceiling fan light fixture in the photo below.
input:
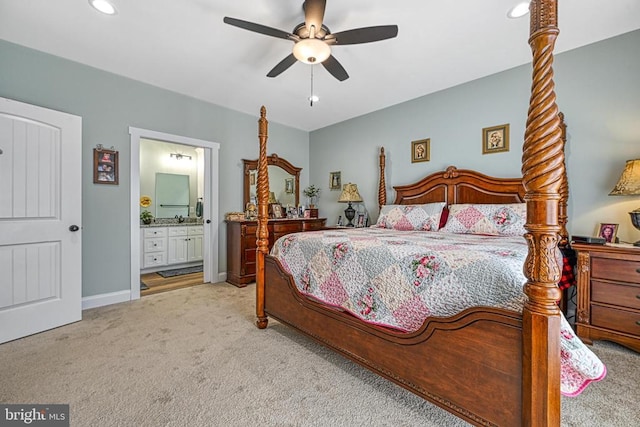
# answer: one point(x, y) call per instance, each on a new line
point(311, 51)
point(519, 10)
point(103, 6)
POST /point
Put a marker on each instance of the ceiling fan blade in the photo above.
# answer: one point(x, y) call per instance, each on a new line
point(257, 28)
point(364, 35)
point(282, 66)
point(314, 14)
point(335, 68)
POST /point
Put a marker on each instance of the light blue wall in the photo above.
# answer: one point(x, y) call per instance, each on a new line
point(598, 89)
point(108, 105)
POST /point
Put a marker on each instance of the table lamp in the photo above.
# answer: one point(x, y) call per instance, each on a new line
point(350, 194)
point(629, 185)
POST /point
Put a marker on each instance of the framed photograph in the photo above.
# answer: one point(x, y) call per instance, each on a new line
point(362, 220)
point(420, 151)
point(607, 231)
point(335, 182)
point(276, 210)
point(105, 166)
point(495, 139)
point(288, 185)
point(252, 178)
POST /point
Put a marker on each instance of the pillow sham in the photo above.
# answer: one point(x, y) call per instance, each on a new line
point(411, 217)
point(490, 219)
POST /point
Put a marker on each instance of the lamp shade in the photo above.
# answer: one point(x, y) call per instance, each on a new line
point(629, 182)
point(350, 194)
point(272, 197)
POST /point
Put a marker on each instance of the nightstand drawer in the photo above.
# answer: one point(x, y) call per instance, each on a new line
point(618, 320)
point(615, 269)
point(615, 294)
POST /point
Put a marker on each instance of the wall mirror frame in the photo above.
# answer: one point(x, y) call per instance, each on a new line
point(250, 174)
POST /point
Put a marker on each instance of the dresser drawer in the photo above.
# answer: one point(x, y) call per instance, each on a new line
point(615, 269)
point(155, 259)
point(619, 294)
point(618, 320)
point(177, 231)
point(282, 228)
point(155, 245)
point(155, 232)
point(195, 230)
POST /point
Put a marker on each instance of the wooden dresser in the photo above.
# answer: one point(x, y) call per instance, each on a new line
point(241, 244)
point(608, 294)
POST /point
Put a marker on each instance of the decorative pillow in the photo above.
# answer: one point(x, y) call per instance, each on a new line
point(495, 220)
point(411, 217)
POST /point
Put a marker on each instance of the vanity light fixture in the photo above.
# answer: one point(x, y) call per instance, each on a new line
point(179, 156)
point(518, 10)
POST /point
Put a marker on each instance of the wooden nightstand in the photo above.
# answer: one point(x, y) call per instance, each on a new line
point(608, 294)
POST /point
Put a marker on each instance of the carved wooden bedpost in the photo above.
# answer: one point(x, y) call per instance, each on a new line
point(543, 171)
point(382, 186)
point(263, 218)
point(564, 191)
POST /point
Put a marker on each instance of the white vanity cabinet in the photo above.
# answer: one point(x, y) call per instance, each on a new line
point(154, 247)
point(162, 246)
point(177, 245)
point(195, 236)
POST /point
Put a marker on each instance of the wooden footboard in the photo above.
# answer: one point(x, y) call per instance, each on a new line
point(444, 362)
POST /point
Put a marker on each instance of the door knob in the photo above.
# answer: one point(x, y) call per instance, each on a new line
point(74, 228)
point(208, 221)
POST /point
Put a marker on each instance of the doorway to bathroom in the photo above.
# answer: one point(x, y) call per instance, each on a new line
point(174, 182)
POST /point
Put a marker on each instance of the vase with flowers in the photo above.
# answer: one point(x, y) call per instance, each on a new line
point(311, 193)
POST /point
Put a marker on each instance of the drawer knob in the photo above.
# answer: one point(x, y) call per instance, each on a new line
point(638, 322)
point(637, 270)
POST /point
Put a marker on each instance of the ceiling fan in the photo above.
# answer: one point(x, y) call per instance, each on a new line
point(313, 39)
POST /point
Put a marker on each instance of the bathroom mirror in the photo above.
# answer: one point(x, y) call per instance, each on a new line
point(284, 181)
point(172, 195)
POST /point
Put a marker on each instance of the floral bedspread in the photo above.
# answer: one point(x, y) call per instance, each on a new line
point(399, 278)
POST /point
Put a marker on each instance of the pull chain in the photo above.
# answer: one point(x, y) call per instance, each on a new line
point(311, 96)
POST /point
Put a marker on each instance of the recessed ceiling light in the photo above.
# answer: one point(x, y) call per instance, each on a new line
point(519, 10)
point(103, 6)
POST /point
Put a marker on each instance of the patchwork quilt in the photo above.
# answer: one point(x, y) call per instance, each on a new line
point(399, 278)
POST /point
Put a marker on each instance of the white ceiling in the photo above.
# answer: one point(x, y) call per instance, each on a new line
point(183, 46)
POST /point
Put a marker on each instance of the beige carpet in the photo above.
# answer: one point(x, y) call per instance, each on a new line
point(193, 357)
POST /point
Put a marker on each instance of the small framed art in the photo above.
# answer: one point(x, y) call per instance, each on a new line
point(276, 210)
point(105, 166)
point(495, 139)
point(335, 181)
point(607, 231)
point(420, 150)
point(288, 185)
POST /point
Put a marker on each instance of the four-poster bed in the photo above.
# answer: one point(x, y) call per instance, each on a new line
point(489, 366)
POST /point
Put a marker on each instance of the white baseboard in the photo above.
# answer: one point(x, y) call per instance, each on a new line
point(105, 299)
point(121, 296)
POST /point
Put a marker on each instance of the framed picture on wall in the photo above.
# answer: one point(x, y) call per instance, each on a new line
point(495, 139)
point(105, 166)
point(335, 181)
point(420, 150)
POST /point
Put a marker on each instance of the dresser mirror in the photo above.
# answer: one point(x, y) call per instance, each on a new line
point(284, 181)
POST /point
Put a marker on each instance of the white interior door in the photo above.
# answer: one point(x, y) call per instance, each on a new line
point(40, 219)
